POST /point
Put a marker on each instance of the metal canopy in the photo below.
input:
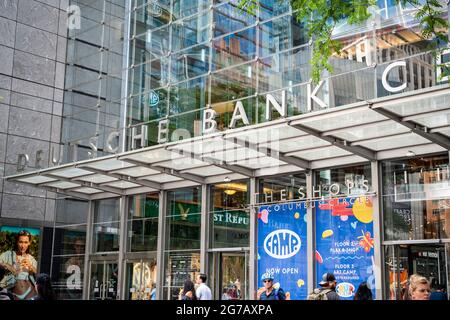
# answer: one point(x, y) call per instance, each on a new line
point(372, 130)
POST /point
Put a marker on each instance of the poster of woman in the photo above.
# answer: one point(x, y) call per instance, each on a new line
point(19, 247)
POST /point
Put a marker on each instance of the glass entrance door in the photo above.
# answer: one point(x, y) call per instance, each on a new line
point(141, 279)
point(103, 281)
point(230, 275)
point(428, 260)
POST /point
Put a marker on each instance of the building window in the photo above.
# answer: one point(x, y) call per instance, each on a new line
point(230, 215)
point(143, 222)
point(347, 181)
point(182, 251)
point(414, 204)
point(106, 225)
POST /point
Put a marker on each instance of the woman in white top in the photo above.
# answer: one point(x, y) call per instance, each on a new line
point(23, 267)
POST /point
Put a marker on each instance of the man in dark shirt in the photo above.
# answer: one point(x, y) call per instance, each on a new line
point(269, 292)
point(439, 293)
point(327, 290)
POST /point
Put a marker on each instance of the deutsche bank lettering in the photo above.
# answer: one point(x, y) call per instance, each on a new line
point(153, 98)
point(282, 244)
point(282, 247)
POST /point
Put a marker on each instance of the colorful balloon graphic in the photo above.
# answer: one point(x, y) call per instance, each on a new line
point(264, 216)
point(366, 241)
point(319, 257)
point(327, 233)
point(363, 209)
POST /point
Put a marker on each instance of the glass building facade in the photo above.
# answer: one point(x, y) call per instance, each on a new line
point(157, 71)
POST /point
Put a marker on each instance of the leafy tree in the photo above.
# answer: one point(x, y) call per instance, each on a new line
point(320, 17)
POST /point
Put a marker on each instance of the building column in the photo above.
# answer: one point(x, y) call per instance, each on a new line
point(161, 244)
point(377, 232)
point(310, 232)
point(204, 230)
point(122, 127)
point(123, 238)
point(88, 249)
point(253, 267)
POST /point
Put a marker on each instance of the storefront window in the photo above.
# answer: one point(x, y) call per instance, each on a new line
point(141, 279)
point(282, 188)
point(230, 215)
point(143, 222)
point(69, 274)
point(182, 254)
point(416, 201)
point(348, 181)
point(402, 261)
point(180, 266)
point(344, 235)
point(183, 219)
point(106, 225)
point(69, 247)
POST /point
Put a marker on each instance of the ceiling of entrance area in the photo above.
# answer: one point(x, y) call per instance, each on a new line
point(416, 123)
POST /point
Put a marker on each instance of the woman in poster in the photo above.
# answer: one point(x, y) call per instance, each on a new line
point(23, 267)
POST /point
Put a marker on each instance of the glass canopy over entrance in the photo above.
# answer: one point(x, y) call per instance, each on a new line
point(417, 123)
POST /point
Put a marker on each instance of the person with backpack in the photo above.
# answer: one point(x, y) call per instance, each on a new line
point(268, 292)
point(327, 290)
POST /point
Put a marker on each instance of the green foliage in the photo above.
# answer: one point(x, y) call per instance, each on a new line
point(321, 16)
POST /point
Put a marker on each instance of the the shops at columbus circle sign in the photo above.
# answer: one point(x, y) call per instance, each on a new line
point(139, 134)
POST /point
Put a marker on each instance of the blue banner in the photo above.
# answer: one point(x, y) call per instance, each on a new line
point(345, 244)
point(282, 247)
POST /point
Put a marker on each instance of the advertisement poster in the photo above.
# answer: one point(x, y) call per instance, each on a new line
point(19, 251)
point(282, 247)
point(344, 243)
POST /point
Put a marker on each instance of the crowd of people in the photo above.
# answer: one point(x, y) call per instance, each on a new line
point(18, 281)
point(199, 291)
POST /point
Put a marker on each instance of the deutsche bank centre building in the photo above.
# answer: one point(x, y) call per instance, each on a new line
point(143, 142)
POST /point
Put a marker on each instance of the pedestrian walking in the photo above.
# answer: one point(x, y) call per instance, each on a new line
point(188, 292)
point(203, 292)
point(327, 290)
point(363, 292)
point(44, 288)
point(419, 288)
point(269, 292)
point(439, 293)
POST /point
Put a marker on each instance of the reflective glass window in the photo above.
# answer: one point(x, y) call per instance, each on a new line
point(183, 219)
point(230, 215)
point(106, 225)
point(415, 198)
point(234, 49)
point(143, 222)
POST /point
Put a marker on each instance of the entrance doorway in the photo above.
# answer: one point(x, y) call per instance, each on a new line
point(141, 279)
point(404, 260)
point(230, 275)
point(103, 280)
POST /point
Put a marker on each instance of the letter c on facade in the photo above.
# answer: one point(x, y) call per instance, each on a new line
point(386, 85)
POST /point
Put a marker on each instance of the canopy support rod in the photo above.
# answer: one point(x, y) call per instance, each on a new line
point(357, 150)
point(123, 177)
point(172, 172)
point(275, 154)
point(416, 128)
point(85, 184)
point(218, 163)
point(67, 192)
